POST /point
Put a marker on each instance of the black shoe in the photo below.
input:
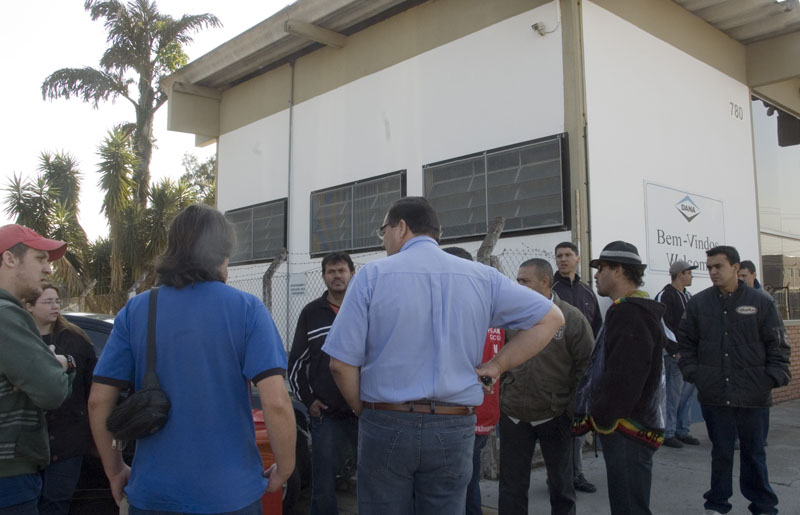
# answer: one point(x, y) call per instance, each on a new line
point(583, 485)
point(688, 439)
point(673, 442)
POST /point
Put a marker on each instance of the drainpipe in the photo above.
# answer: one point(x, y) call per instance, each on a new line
point(289, 200)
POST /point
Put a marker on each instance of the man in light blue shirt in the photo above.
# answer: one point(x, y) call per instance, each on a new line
point(404, 349)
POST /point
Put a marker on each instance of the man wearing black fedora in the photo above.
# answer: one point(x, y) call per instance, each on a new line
point(622, 395)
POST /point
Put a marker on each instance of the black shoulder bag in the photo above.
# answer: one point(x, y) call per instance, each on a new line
point(145, 411)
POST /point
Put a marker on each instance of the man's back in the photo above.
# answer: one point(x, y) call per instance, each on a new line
point(427, 316)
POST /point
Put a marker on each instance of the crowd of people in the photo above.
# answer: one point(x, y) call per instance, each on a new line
point(407, 365)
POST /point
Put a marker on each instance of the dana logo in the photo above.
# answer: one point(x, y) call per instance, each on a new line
point(559, 333)
point(747, 310)
point(688, 208)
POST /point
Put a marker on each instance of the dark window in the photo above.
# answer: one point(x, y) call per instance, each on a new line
point(345, 217)
point(525, 183)
point(260, 231)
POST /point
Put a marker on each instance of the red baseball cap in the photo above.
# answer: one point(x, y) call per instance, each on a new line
point(12, 234)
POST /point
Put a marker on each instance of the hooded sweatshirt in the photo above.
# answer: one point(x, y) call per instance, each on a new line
point(623, 389)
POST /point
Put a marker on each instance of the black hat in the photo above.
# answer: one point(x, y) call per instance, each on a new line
point(619, 252)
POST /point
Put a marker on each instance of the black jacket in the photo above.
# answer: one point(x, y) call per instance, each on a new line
point(69, 425)
point(581, 296)
point(623, 380)
point(675, 302)
point(309, 373)
point(733, 347)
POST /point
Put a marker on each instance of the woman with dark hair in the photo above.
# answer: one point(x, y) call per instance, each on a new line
point(211, 342)
point(68, 426)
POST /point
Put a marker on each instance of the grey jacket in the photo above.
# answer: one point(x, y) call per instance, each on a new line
point(544, 386)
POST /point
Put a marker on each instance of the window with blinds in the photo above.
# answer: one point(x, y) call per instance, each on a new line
point(260, 231)
point(345, 217)
point(525, 183)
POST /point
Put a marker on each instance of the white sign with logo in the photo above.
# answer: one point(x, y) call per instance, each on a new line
point(681, 226)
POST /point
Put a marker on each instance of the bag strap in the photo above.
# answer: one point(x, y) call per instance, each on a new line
point(150, 377)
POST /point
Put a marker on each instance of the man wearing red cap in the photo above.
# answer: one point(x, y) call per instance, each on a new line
point(32, 378)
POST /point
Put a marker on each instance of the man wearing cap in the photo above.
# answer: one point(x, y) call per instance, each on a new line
point(32, 378)
point(734, 349)
point(621, 396)
point(680, 394)
point(406, 351)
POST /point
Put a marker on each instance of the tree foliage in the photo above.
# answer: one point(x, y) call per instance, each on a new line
point(144, 46)
point(202, 177)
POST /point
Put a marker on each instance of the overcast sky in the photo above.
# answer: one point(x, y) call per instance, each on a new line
point(42, 36)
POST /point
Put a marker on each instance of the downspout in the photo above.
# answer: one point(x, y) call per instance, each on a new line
point(289, 199)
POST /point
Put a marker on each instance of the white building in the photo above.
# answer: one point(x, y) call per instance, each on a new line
point(588, 121)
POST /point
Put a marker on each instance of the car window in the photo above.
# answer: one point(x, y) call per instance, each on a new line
point(98, 340)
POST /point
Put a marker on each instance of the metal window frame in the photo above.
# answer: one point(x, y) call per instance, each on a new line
point(251, 208)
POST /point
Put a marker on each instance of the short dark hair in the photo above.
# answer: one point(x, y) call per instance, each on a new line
point(17, 250)
point(199, 241)
point(729, 252)
point(749, 265)
point(567, 245)
point(420, 217)
point(542, 266)
point(337, 257)
point(459, 252)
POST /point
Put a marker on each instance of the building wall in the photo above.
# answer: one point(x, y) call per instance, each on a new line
point(500, 85)
point(657, 114)
point(792, 391)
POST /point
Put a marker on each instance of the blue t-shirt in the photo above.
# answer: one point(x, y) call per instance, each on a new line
point(211, 340)
point(416, 323)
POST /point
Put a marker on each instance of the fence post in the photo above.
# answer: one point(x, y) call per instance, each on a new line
point(490, 455)
point(266, 281)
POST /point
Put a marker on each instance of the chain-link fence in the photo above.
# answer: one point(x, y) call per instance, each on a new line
point(291, 292)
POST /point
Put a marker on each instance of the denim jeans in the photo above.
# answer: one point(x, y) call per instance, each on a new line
point(680, 396)
point(629, 468)
point(330, 439)
point(517, 443)
point(253, 509)
point(26, 508)
point(19, 495)
point(474, 487)
point(752, 426)
point(59, 480)
point(413, 463)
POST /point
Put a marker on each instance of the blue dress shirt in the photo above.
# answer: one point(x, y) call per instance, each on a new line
point(416, 322)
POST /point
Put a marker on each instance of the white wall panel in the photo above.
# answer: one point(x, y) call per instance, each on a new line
point(657, 114)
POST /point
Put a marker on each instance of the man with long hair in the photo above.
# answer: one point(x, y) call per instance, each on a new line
point(212, 341)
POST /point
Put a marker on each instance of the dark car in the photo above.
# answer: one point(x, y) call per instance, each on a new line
point(93, 495)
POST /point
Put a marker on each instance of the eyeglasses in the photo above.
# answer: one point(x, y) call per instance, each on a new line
point(381, 232)
point(51, 302)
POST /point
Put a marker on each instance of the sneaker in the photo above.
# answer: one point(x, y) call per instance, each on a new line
point(688, 439)
point(583, 485)
point(673, 442)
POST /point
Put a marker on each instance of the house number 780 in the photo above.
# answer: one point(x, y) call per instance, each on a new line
point(737, 111)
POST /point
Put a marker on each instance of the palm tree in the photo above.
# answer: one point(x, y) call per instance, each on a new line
point(144, 46)
point(48, 204)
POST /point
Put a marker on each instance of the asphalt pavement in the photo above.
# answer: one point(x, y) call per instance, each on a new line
point(680, 476)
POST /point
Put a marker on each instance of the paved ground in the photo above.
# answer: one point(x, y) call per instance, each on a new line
point(680, 476)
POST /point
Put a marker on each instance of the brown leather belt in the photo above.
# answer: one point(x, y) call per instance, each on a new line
point(429, 407)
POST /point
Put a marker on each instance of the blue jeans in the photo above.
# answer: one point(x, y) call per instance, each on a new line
point(330, 438)
point(752, 426)
point(474, 487)
point(413, 463)
point(19, 495)
point(253, 509)
point(680, 396)
point(59, 480)
point(517, 443)
point(629, 467)
point(26, 508)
